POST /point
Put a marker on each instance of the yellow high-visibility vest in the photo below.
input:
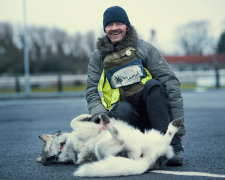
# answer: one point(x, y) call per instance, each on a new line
point(108, 95)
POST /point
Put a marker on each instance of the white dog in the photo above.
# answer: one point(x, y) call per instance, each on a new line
point(116, 148)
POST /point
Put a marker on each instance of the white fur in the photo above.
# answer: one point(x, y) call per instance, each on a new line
point(87, 137)
point(152, 144)
point(113, 166)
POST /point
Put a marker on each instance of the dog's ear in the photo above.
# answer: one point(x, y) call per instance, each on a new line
point(45, 137)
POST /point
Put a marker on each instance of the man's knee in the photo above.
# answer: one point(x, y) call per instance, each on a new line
point(152, 83)
point(125, 111)
point(154, 88)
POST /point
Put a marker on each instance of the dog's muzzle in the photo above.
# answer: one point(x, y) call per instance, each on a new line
point(55, 159)
point(51, 160)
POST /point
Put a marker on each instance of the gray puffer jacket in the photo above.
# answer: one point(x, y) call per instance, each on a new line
point(152, 60)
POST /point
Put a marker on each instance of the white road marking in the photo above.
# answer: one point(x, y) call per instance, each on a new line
point(187, 173)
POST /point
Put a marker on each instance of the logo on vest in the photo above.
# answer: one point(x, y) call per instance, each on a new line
point(126, 76)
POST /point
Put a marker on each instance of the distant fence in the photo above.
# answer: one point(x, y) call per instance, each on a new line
point(204, 78)
point(41, 81)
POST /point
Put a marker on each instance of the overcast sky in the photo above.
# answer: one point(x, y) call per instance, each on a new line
point(83, 15)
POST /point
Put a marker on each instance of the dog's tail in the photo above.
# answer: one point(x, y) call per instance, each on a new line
point(113, 166)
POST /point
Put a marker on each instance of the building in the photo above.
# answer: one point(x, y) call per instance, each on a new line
point(196, 62)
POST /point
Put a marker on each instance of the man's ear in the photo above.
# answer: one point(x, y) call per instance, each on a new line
point(128, 29)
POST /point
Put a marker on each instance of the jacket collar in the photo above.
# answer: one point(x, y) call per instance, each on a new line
point(105, 47)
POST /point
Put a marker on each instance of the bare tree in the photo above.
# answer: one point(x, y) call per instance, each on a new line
point(50, 50)
point(59, 38)
point(194, 37)
point(90, 42)
point(11, 56)
point(76, 44)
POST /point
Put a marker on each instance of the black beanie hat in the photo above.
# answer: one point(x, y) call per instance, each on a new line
point(115, 14)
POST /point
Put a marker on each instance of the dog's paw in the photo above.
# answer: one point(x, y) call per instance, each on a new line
point(80, 158)
point(104, 119)
point(79, 161)
point(39, 159)
point(177, 122)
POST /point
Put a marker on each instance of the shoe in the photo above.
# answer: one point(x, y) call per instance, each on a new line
point(176, 160)
point(160, 162)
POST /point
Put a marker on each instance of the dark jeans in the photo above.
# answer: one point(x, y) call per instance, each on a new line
point(147, 109)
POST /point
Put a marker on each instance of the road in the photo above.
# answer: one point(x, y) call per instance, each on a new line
point(23, 120)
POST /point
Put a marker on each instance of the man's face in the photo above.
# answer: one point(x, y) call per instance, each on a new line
point(116, 31)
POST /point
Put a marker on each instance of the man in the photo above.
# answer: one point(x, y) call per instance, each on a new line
point(130, 80)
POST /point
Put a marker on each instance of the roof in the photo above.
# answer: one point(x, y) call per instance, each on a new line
point(196, 59)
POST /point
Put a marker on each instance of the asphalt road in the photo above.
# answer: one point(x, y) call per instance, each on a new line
point(22, 120)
